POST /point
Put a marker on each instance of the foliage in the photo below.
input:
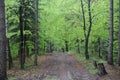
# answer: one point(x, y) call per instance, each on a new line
point(60, 21)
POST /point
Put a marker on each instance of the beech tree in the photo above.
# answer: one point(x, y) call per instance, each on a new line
point(3, 75)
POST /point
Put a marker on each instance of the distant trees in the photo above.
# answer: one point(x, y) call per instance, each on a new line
point(110, 54)
point(64, 26)
point(3, 75)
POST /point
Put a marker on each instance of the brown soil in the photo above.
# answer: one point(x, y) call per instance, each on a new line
point(57, 66)
point(113, 73)
point(61, 66)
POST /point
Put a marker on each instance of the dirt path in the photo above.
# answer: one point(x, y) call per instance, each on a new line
point(58, 66)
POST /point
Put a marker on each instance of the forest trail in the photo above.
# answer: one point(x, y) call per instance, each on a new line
point(58, 66)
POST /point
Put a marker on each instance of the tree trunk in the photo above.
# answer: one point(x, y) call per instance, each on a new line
point(3, 75)
point(84, 20)
point(21, 36)
point(84, 28)
point(25, 37)
point(87, 35)
point(27, 51)
point(10, 60)
point(99, 49)
point(36, 33)
point(66, 45)
point(118, 60)
point(101, 69)
point(78, 45)
point(95, 64)
point(86, 49)
point(110, 54)
point(24, 43)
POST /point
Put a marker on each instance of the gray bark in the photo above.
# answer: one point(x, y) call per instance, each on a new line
point(110, 54)
point(36, 33)
point(118, 60)
point(3, 75)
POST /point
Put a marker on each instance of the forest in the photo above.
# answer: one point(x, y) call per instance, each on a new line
point(59, 39)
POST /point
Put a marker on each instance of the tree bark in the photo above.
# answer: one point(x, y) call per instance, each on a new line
point(101, 69)
point(99, 48)
point(66, 45)
point(84, 28)
point(21, 35)
point(3, 75)
point(36, 33)
point(87, 35)
point(78, 45)
point(84, 20)
point(110, 54)
point(86, 48)
point(118, 60)
point(95, 64)
point(10, 60)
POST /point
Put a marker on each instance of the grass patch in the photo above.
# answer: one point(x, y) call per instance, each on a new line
point(90, 67)
point(88, 64)
point(80, 57)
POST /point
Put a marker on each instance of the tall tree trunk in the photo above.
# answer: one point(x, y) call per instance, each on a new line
point(27, 51)
point(84, 28)
point(118, 60)
point(78, 45)
point(3, 75)
point(87, 35)
point(110, 54)
point(66, 45)
point(84, 20)
point(51, 46)
point(36, 32)
point(21, 36)
point(10, 60)
point(99, 48)
point(86, 48)
point(25, 36)
point(89, 30)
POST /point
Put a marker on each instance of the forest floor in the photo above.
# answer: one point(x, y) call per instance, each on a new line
point(59, 66)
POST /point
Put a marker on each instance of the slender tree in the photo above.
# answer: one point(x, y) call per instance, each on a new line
point(99, 48)
point(118, 60)
point(86, 32)
point(78, 45)
point(10, 60)
point(36, 33)
point(21, 35)
point(110, 54)
point(3, 75)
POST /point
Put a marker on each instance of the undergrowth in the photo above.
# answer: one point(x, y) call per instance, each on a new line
point(88, 64)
